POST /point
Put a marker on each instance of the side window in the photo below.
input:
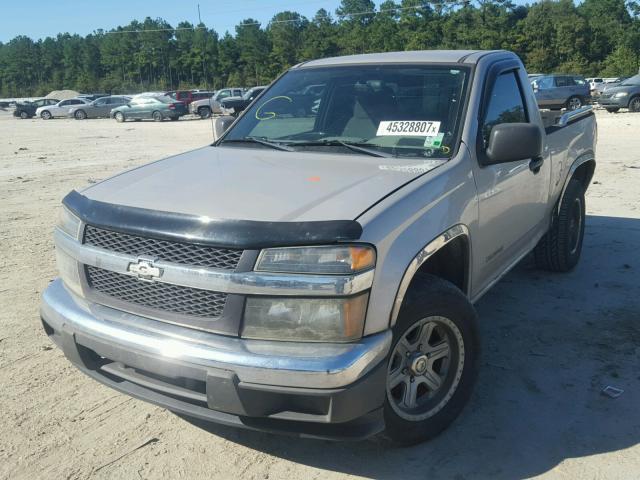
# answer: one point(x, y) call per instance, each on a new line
point(102, 101)
point(65, 103)
point(224, 94)
point(505, 105)
point(544, 83)
point(564, 81)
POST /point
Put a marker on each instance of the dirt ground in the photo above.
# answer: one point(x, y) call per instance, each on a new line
point(550, 344)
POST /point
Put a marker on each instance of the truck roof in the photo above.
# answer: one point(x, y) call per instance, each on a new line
point(415, 56)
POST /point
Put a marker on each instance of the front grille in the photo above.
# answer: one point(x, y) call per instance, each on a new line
point(169, 251)
point(163, 297)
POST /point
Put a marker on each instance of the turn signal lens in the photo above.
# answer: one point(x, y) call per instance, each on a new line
point(327, 260)
point(69, 223)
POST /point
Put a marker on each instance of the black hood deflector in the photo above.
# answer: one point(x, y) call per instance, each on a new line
point(247, 234)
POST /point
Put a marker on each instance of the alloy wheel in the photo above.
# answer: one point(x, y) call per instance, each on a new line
point(574, 103)
point(425, 368)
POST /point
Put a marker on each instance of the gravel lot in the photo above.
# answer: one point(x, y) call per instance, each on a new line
point(550, 344)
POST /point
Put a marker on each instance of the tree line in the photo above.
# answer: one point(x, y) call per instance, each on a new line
point(594, 37)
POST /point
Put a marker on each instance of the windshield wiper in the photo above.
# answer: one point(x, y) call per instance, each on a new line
point(260, 141)
point(356, 147)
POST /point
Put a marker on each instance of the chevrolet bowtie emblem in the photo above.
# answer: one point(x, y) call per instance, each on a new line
point(144, 270)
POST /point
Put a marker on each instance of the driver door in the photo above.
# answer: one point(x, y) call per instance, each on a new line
point(512, 196)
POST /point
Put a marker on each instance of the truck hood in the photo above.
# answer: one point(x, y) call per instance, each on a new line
point(258, 184)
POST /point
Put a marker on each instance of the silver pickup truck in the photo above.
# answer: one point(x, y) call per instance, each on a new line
point(313, 272)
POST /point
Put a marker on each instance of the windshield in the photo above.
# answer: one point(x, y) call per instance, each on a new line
point(631, 81)
point(405, 111)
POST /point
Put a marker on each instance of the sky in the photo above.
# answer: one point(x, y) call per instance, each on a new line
point(42, 18)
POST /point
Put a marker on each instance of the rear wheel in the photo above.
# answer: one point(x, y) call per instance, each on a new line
point(119, 116)
point(613, 109)
point(204, 112)
point(574, 103)
point(433, 362)
point(157, 116)
point(45, 115)
point(559, 250)
point(634, 104)
point(80, 115)
point(24, 115)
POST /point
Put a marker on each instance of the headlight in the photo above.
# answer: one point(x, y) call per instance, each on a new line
point(335, 260)
point(621, 94)
point(69, 223)
point(305, 319)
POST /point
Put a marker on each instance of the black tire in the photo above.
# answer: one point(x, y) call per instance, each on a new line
point(613, 109)
point(431, 300)
point(45, 115)
point(157, 116)
point(204, 112)
point(574, 102)
point(634, 104)
point(119, 116)
point(559, 250)
point(173, 119)
point(24, 115)
point(80, 115)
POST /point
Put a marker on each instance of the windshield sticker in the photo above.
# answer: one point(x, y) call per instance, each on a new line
point(422, 167)
point(410, 128)
point(435, 141)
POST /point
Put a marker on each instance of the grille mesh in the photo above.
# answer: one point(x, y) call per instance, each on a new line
point(176, 252)
point(156, 295)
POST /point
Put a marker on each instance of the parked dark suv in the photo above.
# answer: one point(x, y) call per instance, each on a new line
point(561, 91)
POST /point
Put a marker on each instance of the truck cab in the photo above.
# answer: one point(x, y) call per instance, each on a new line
point(314, 270)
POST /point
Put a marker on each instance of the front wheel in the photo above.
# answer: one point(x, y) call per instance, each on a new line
point(574, 103)
point(157, 116)
point(24, 115)
point(634, 104)
point(559, 250)
point(46, 115)
point(119, 116)
point(433, 362)
point(613, 109)
point(80, 115)
point(204, 112)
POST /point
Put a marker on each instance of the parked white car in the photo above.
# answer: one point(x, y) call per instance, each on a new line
point(60, 109)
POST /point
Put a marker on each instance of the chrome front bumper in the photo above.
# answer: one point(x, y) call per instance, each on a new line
point(286, 364)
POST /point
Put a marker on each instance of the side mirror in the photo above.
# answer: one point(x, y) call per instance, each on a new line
point(509, 142)
point(221, 124)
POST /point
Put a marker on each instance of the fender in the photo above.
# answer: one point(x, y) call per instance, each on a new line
point(587, 157)
point(423, 255)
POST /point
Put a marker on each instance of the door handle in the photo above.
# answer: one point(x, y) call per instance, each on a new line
point(535, 164)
